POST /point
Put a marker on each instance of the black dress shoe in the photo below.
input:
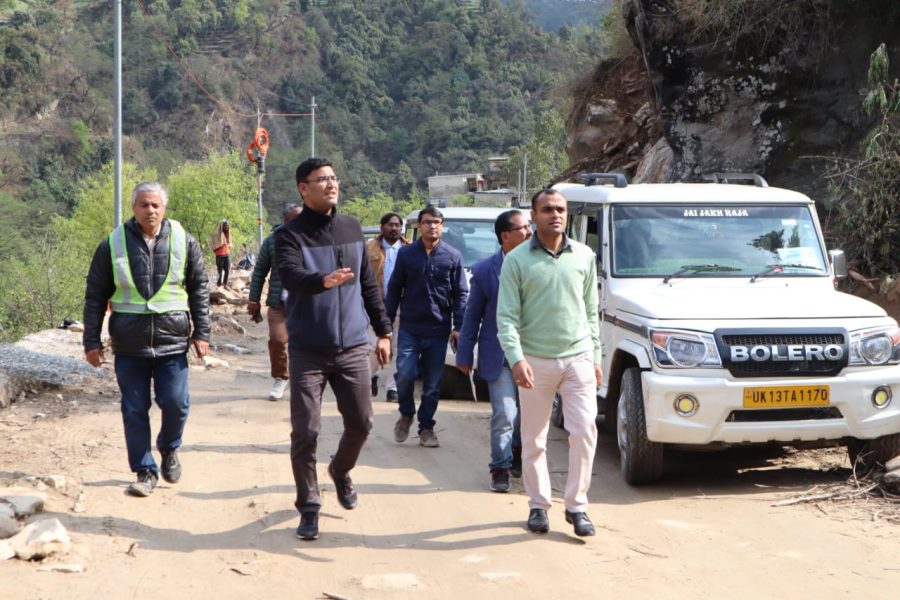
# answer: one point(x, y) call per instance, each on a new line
point(344, 487)
point(537, 521)
point(583, 525)
point(392, 396)
point(309, 526)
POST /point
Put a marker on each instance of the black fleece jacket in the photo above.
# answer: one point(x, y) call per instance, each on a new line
point(333, 320)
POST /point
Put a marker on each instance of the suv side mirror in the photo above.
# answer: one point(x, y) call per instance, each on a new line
point(838, 263)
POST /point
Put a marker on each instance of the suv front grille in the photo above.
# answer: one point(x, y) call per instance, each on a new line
point(816, 413)
point(797, 368)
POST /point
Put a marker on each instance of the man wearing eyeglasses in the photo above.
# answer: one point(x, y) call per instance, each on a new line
point(480, 327)
point(429, 288)
point(332, 298)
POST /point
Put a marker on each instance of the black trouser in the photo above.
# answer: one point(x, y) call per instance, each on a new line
point(223, 266)
point(350, 379)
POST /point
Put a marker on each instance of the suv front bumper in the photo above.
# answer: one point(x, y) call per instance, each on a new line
point(718, 397)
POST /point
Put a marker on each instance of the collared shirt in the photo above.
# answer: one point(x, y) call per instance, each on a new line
point(547, 305)
point(390, 259)
point(151, 239)
point(427, 289)
point(537, 243)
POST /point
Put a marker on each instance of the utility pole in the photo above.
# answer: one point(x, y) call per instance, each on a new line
point(519, 187)
point(117, 127)
point(260, 173)
point(312, 128)
point(525, 176)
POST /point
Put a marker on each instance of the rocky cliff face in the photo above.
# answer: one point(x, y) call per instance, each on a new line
point(767, 91)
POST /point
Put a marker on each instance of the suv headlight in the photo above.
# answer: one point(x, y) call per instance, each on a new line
point(875, 347)
point(684, 349)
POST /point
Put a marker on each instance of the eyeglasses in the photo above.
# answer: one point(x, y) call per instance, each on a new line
point(324, 179)
point(520, 227)
point(431, 223)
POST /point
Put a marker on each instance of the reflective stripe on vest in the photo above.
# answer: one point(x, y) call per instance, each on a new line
point(170, 297)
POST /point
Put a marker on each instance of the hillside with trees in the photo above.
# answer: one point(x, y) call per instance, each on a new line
point(403, 88)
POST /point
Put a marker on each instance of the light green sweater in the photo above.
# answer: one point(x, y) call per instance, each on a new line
point(547, 307)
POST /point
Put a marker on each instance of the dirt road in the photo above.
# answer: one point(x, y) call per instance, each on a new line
point(426, 525)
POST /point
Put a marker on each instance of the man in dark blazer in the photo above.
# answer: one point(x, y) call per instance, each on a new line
point(480, 326)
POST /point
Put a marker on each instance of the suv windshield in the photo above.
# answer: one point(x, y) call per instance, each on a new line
point(740, 241)
point(474, 239)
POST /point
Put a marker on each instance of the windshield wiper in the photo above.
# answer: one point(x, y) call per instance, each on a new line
point(780, 267)
point(692, 269)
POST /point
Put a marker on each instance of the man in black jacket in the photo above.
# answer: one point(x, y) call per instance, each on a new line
point(332, 298)
point(151, 273)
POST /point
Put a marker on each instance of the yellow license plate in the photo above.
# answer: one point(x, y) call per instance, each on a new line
point(786, 396)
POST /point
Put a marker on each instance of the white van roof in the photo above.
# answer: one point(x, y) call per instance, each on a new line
point(465, 213)
point(688, 193)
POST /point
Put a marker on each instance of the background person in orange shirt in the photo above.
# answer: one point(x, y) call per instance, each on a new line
point(221, 245)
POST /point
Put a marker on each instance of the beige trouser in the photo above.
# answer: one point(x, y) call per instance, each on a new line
point(573, 377)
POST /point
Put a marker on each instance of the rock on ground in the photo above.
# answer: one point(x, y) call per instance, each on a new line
point(23, 501)
point(40, 539)
point(9, 525)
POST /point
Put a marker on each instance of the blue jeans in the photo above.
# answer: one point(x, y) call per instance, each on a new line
point(170, 385)
point(420, 355)
point(505, 433)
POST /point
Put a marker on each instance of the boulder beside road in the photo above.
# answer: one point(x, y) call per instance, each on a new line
point(40, 539)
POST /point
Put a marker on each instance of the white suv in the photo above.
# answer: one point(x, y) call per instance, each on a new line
point(471, 231)
point(721, 324)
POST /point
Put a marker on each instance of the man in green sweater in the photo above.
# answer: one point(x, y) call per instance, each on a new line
point(547, 323)
point(278, 335)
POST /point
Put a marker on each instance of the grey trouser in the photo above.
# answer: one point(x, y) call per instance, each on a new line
point(349, 376)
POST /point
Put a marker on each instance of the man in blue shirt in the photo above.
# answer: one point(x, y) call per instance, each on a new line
point(429, 288)
point(480, 327)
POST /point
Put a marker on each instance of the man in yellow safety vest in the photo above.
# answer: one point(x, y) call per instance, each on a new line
point(150, 273)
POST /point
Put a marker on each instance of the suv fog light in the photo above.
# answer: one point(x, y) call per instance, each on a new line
point(881, 396)
point(687, 406)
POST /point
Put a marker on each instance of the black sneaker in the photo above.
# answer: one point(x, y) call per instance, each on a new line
point(499, 480)
point(516, 469)
point(392, 396)
point(374, 385)
point(171, 466)
point(146, 481)
point(344, 487)
point(309, 526)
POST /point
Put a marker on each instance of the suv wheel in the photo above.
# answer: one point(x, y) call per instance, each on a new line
point(865, 455)
point(641, 460)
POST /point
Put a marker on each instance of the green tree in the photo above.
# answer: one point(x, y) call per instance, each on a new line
point(368, 211)
point(45, 284)
point(864, 190)
point(545, 150)
point(203, 193)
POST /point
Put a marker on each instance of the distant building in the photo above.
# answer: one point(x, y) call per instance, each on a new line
point(448, 186)
point(473, 184)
